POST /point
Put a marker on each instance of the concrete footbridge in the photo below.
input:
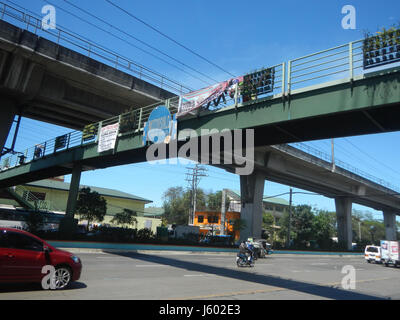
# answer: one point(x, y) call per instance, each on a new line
point(62, 78)
point(328, 94)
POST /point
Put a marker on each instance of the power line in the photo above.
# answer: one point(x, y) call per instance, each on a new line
point(169, 38)
point(371, 157)
point(137, 39)
point(351, 155)
point(115, 36)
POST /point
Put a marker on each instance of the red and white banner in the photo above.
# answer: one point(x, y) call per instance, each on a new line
point(190, 102)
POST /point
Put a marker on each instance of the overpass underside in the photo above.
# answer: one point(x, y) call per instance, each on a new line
point(46, 81)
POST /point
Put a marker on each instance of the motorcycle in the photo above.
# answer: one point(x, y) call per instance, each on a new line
point(243, 260)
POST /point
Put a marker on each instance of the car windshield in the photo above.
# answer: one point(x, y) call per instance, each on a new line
point(372, 249)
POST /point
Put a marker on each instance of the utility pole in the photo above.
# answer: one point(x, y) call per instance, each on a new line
point(193, 178)
point(333, 155)
point(223, 212)
point(290, 217)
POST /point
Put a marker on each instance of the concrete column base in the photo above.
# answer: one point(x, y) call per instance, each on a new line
point(343, 214)
point(252, 192)
point(389, 219)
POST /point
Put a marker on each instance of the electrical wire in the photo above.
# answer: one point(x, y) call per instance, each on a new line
point(142, 42)
point(168, 37)
point(371, 157)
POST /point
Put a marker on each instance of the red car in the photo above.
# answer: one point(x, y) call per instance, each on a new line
point(23, 256)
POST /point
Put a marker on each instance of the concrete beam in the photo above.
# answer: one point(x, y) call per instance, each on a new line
point(343, 214)
point(252, 191)
point(389, 219)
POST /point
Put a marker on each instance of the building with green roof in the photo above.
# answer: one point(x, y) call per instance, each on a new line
point(274, 206)
point(54, 193)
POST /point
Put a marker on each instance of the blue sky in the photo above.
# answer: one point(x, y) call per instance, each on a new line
point(240, 37)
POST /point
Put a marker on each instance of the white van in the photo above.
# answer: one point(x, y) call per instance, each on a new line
point(390, 252)
point(373, 254)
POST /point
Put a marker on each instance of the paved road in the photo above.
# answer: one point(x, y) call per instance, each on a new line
point(215, 276)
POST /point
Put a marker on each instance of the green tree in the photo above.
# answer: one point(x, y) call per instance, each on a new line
point(125, 218)
point(177, 204)
point(214, 201)
point(302, 222)
point(367, 229)
point(268, 224)
point(301, 226)
point(91, 206)
point(324, 228)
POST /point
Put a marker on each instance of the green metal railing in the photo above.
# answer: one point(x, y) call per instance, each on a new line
point(339, 63)
point(130, 122)
point(30, 198)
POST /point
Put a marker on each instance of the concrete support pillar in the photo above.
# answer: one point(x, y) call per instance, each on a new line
point(389, 219)
point(251, 192)
point(343, 214)
point(8, 111)
point(73, 190)
point(68, 223)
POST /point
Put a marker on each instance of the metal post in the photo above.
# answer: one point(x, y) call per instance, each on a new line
point(236, 94)
point(333, 155)
point(351, 60)
point(283, 79)
point(223, 212)
point(68, 140)
point(4, 11)
point(99, 130)
point(140, 119)
point(290, 217)
point(289, 76)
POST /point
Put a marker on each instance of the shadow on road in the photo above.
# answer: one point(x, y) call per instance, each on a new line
point(25, 287)
point(303, 287)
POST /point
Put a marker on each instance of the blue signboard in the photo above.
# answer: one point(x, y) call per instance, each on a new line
point(161, 127)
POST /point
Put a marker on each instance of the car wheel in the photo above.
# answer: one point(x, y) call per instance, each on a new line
point(63, 277)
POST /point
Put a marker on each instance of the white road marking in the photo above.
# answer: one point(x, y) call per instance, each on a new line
point(152, 265)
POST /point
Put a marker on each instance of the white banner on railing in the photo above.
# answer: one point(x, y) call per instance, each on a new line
point(108, 137)
point(190, 102)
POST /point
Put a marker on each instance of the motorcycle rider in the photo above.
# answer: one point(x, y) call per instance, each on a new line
point(246, 251)
point(250, 250)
